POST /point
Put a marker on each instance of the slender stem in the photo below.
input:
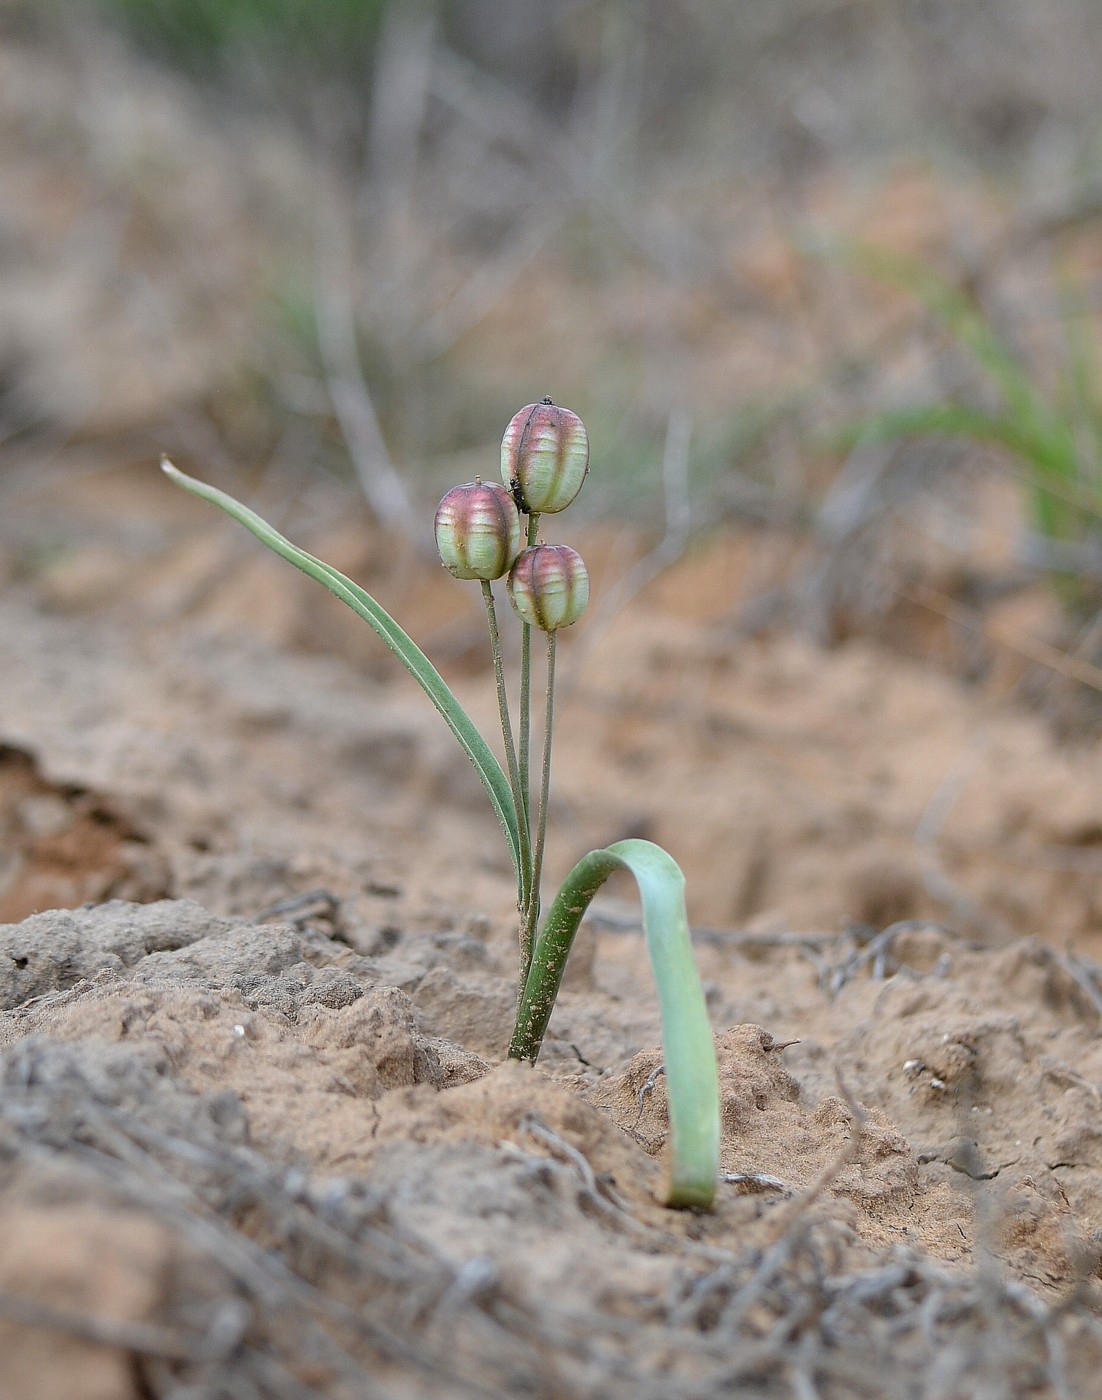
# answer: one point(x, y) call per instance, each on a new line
point(526, 688)
point(545, 789)
point(525, 708)
point(545, 777)
point(519, 806)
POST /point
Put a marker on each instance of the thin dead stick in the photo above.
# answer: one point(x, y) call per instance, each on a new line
point(275, 1286)
point(399, 101)
point(1070, 666)
point(756, 1183)
point(382, 487)
point(534, 1126)
point(790, 1219)
point(143, 1338)
point(875, 951)
point(1081, 976)
point(789, 1212)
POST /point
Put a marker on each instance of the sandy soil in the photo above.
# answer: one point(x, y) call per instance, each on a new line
point(281, 1149)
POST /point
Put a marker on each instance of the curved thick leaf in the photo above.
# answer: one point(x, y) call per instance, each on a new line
point(692, 1080)
point(403, 646)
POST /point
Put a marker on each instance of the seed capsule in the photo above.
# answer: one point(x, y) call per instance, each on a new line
point(549, 586)
point(478, 530)
point(544, 457)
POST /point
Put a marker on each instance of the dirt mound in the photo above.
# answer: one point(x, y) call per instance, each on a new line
point(285, 1177)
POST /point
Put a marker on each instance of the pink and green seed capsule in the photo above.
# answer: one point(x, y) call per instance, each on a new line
point(478, 531)
point(549, 586)
point(544, 457)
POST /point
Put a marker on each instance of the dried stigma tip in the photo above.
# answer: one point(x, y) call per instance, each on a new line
point(544, 457)
point(549, 586)
point(478, 531)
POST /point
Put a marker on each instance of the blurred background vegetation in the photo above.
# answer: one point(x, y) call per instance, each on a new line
point(341, 241)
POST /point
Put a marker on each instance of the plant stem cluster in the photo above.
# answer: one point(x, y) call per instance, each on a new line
point(479, 532)
point(545, 456)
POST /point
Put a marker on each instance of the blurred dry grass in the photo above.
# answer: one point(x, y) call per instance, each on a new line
point(340, 242)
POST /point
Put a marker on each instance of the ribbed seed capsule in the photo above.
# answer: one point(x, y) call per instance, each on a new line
point(544, 457)
point(478, 530)
point(549, 586)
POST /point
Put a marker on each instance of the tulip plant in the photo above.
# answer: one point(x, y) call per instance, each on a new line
point(481, 537)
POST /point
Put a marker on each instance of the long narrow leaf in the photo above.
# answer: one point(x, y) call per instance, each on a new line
point(1080, 398)
point(945, 419)
point(692, 1079)
point(956, 311)
point(404, 647)
point(1041, 433)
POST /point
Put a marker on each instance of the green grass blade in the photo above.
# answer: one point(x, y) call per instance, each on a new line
point(944, 419)
point(1082, 382)
point(954, 309)
point(404, 648)
point(1056, 436)
point(1026, 413)
point(692, 1078)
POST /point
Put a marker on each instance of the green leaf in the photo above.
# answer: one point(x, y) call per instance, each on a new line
point(1050, 439)
point(692, 1078)
point(403, 646)
point(953, 308)
point(945, 419)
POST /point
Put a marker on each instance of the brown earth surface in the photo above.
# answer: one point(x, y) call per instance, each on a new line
point(242, 1151)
